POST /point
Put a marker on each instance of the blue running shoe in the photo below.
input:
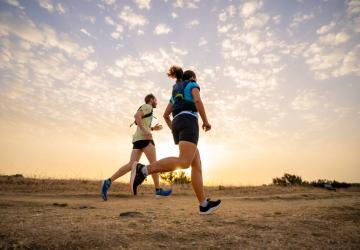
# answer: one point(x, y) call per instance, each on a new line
point(159, 192)
point(105, 185)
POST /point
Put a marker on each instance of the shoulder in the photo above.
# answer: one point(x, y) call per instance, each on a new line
point(192, 85)
point(146, 108)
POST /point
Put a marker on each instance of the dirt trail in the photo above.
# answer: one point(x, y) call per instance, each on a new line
point(248, 219)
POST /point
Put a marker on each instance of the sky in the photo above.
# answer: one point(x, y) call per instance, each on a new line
point(280, 81)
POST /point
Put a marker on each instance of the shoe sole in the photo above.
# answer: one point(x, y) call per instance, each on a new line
point(132, 176)
point(101, 191)
point(161, 196)
point(213, 209)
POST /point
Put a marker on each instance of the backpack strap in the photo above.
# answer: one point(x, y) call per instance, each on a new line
point(143, 117)
point(148, 115)
point(180, 93)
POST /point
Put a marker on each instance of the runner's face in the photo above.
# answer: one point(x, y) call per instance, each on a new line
point(154, 103)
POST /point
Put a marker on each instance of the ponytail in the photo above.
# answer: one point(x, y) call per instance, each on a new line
point(175, 72)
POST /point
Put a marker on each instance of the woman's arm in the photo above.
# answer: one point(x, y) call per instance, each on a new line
point(167, 114)
point(201, 109)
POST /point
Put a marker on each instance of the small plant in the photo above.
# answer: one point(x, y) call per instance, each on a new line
point(176, 177)
point(288, 180)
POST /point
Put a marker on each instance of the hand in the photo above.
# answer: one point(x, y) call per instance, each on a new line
point(157, 127)
point(206, 126)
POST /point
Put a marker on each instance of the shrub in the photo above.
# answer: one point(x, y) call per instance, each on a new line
point(334, 184)
point(288, 180)
point(291, 180)
point(178, 177)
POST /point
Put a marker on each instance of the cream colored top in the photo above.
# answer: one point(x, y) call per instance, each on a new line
point(146, 109)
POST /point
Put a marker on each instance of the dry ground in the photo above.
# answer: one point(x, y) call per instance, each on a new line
point(68, 214)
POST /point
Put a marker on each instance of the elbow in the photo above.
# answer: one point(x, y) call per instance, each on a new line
point(166, 116)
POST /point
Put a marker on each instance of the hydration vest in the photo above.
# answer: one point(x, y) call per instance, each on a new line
point(178, 97)
point(144, 116)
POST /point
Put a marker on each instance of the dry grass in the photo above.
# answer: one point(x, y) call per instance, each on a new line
point(68, 214)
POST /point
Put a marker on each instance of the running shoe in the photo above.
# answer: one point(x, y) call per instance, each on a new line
point(105, 185)
point(159, 192)
point(211, 207)
point(136, 177)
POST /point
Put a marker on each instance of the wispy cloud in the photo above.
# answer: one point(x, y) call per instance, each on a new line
point(334, 39)
point(191, 4)
point(15, 3)
point(51, 7)
point(133, 20)
point(300, 18)
point(202, 41)
point(256, 21)
point(90, 65)
point(162, 29)
point(44, 36)
point(143, 4)
point(46, 4)
point(250, 7)
point(84, 31)
point(306, 100)
point(109, 2)
point(326, 28)
point(174, 15)
point(192, 23)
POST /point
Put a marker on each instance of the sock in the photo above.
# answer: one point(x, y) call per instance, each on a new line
point(204, 203)
point(144, 170)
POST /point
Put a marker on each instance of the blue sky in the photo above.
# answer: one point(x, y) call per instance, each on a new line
point(280, 81)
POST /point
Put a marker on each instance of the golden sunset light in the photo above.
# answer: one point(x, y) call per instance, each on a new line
point(279, 81)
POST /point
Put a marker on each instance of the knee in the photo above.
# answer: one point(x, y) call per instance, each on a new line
point(184, 163)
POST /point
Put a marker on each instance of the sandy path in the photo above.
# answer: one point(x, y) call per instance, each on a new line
point(291, 220)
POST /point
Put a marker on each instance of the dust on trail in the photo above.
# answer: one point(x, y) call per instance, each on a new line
point(73, 216)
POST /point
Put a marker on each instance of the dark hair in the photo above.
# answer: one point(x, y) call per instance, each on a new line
point(149, 97)
point(175, 72)
point(188, 74)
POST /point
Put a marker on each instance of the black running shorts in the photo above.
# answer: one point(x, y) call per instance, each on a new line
point(142, 144)
point(185, 127)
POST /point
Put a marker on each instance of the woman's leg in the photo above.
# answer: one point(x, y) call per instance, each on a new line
point(150, 153)
point(196, 177)
point(135, 156)
point(186, 156)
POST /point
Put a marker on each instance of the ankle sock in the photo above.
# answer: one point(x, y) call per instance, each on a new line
point(144, 170)
point(204, 203)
